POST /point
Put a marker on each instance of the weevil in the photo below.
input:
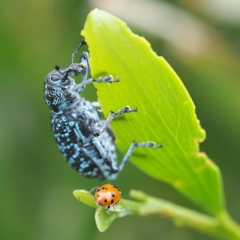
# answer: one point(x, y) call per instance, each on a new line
point(86, 141)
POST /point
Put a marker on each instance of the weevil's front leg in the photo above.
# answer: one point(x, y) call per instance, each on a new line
point(96, 104)
point(112, 115)
point(82, 43)
point(84, 61)
point(107, 79)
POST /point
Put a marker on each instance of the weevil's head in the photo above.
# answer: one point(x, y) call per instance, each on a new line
point(59, 91)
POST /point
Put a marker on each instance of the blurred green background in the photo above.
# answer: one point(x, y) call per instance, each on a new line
point(200, 39)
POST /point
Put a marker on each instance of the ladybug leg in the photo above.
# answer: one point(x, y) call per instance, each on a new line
point(93, 189)
point(106, 209)
point(113, 208)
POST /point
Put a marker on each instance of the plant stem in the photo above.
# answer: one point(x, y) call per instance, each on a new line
point(222, 226)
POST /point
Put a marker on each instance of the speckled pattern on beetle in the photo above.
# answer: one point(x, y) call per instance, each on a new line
point(86, 141)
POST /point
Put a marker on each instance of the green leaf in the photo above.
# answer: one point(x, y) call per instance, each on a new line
point(85, 197)
point(166, 112)
point(223, 226)
point(104, 218)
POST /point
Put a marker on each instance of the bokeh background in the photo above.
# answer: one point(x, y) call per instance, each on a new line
point(200, 39)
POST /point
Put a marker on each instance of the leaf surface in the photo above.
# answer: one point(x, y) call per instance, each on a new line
point(166, 113)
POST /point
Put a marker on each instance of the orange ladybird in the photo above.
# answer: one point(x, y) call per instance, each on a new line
point(107, 195)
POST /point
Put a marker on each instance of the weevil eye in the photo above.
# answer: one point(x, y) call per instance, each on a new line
point(55, 78)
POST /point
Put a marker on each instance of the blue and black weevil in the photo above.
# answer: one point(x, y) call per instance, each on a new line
point(85, 140)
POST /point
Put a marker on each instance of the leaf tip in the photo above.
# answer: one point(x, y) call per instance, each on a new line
point(76, 194)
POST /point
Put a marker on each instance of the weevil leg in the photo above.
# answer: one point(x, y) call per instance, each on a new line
point(131, 149)
point(82, 43)
point(96, 104)
point(84, 61)
point(112, 115)
point(106, 159)
point(107, 79)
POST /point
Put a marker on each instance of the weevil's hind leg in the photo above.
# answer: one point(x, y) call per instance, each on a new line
point(82, 43)
point(106, 159)
point(131, 149)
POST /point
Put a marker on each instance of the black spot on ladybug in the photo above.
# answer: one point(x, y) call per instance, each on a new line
point(112, 201)
point(104, 188)
point(113, 195)
point(105, 200)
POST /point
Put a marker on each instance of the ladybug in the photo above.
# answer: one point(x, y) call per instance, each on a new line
point(107, 195)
